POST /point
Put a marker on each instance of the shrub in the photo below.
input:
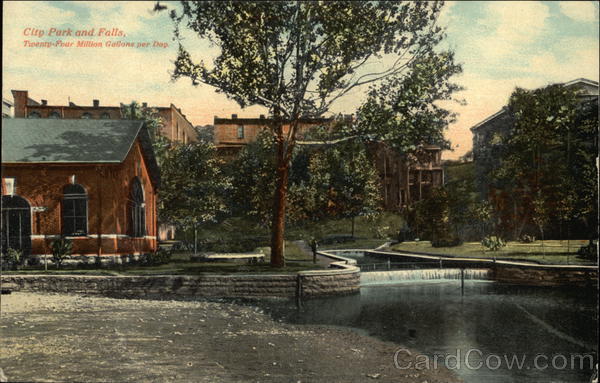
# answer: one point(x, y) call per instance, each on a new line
point(447, 242)
point(159, 257)
point(589, 251)
point(381, 232)
point(526, 238)
point(61, 249)
point(493, 243)
point(13, 258)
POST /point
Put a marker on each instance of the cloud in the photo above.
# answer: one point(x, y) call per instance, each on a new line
point(583, 11)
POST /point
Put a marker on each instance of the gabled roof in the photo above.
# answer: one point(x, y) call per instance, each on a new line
point(36, 140)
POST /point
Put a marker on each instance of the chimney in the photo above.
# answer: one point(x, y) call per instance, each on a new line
point(233, 116)
point(20, 102)
point(44, 102)
point(144, 105)
point(262, 116)
point(96, 103)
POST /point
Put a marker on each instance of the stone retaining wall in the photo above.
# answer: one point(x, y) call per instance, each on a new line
point(341, 279)
point(547, 276)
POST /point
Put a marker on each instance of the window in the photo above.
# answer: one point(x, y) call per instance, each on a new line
point(137, 209)
point(241, 131)
point(105, 116)
point(34, 115)
point(86, 116)
point(54, 114)
point(74, 210)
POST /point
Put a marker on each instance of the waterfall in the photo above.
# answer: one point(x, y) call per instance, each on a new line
point(399, 276)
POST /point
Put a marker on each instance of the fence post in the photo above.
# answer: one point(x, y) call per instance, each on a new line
point(462, 281)
point(389, 264)
point(298, 291)
point(440, 262)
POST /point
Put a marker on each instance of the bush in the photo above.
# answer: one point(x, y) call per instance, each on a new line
point(447, 242)
point(159, 257)
point(61, 249)
point(13, 258)
point(526, 238)
point(493, 243)
point(589, 251)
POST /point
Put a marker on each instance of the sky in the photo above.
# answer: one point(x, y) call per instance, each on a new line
point(501, 45)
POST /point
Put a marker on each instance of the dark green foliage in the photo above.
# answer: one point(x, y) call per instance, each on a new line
point(193, 185)
point(159, 257)
point(547, 176)
point(61, 249)
point(12, 258)
point(493, 243)
point(297, 58)
point(326, 181)
point(589, 252)
point(447, 241)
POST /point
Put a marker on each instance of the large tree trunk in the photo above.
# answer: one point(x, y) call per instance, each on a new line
point(278, 226)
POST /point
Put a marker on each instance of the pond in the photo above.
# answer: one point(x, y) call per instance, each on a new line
point(483, 335)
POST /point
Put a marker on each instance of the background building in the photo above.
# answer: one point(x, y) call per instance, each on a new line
point(489, 134)
point(176, 126)
point(405, 179)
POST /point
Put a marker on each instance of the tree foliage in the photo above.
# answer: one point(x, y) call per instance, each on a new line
point(547, 172)
point(193, 185)
point(404, 111)
point(297, 58)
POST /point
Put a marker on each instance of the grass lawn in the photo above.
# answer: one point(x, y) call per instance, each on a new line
point(556, 252)
point(180, 264)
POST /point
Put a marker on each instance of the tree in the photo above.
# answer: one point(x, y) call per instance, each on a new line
point(154, 123)
point(344, 177)
point(297, 58)
point(193, 186)
point(547, 160)
point(404, 111)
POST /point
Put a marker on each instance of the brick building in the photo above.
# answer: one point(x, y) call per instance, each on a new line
point(94, 181)
point(404, 178)
point(232, 134)
point(176, 126)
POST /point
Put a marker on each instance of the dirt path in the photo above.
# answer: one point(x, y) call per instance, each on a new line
point(67, 338)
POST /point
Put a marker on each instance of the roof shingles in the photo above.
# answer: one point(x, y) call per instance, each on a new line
point(56, 140)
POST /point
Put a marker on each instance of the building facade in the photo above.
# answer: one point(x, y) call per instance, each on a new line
point(405, 179)
point(92, 181)
point(176, 126)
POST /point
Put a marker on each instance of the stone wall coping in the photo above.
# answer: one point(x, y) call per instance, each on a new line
point(342, 266)
point(487, 260)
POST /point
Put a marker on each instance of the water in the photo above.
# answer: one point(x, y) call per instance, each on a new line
point(433, 318)
point(411, 276)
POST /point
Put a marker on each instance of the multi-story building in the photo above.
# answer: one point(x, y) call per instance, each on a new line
point(404, 178)
point(232, 134)
point(176, 126)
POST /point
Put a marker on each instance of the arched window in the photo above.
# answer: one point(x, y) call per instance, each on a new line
point(54, 114)
point(137, 209)
point(74, 210)
point(105, 116)
point(34, 115)
point(86, 116)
